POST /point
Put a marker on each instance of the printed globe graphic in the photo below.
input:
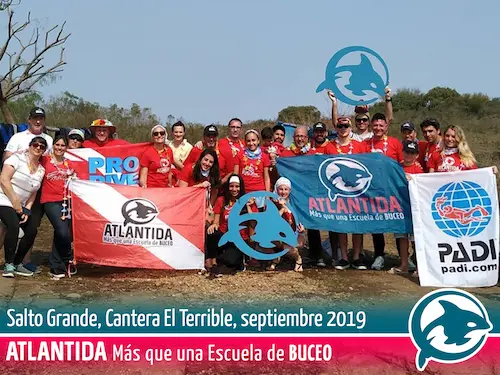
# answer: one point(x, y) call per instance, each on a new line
point(461, 209)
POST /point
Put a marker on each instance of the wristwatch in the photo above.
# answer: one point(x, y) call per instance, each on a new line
point(388, 100)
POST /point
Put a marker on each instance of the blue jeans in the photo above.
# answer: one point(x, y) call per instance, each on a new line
point(61, 252)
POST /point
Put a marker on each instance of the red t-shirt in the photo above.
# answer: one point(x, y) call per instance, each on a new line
point(195, 153)
point(252, 171)
point(93, 143)
point(158, 164)
point(224, 212)
point(186, 175)
point(425, 151)
point(54, 180)
point(353, 147)
point(326, 148)
point(389, 146)
point(447, 163)
point(415, 168)
point(230, 150)
point(288, 152)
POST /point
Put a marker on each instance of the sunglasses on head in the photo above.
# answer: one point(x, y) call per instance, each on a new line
point(364, 119)
point(39, 145)
point(345, 126)
point(156, 134)
point(75, 137)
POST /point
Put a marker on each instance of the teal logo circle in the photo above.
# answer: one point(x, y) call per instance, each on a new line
point(448, 326)
point(356, 84)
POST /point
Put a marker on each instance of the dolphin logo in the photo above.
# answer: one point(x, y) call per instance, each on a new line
point(270, 227)
point(350, 177)
point(464, 324)
point(142, 212)
point(344, 177)
point(363, 77)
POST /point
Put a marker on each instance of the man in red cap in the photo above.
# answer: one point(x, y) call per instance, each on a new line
point(102, 135)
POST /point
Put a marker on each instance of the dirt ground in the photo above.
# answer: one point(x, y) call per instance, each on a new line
point(313, 287)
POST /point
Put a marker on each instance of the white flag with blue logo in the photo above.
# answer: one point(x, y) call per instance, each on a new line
point(456, 227)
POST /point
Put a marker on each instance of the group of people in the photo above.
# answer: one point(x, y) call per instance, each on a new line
point(35, 176)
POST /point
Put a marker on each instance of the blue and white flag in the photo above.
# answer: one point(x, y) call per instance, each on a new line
point(364, 193)
point(456, 221)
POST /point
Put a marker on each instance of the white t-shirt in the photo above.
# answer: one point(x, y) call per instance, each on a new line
point(21, 141)
point(23, 182)
point(361, 137)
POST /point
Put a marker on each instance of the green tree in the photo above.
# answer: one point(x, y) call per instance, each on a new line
point(303, 115)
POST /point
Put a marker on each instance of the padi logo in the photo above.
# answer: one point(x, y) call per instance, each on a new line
point(344, 177)
point(361, 78)
point(139, 211)
point(270, 227)
point(461, 209)
point(448, 326)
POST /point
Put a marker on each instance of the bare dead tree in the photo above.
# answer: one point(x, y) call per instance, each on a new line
point(27, 59)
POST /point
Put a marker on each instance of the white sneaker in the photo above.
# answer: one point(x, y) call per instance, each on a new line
point(320, 263)
point(378, 264)
point(21, 233)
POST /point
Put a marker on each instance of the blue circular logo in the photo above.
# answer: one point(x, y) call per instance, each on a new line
point(461, 209)
point(448, 326)
point(270, 227)
point(362, 79)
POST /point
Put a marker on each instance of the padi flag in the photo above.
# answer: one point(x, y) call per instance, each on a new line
point(128, 226)
point(364, 193)
point(114, 164)
point(455, 218)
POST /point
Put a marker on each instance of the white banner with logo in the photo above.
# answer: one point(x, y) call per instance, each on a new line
point(456, 227)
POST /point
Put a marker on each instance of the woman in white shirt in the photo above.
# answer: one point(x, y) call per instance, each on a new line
point(20, 180)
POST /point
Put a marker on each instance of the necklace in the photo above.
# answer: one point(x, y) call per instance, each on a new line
point(235, 149)
point(385, 145)
point(33, 167)
point(339, 149)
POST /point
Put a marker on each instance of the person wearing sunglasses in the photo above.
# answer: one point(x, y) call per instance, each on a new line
point(36, 126)
point(157, 161)
point(75, 139)
point(20, 180)
point(102, 135)
point(58, 170)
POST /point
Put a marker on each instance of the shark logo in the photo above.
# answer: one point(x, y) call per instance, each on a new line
point(139, 211)
point(344, 177)
point(448, 326)
point(271, 227)
point(362, 80)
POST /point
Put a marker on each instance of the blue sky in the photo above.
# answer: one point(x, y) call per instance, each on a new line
point(208, 61)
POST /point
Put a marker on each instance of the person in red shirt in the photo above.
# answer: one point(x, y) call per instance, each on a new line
point(282, 188)
point(210, 134)
point(431, 130)
point(156, 162)
point(300, 144)
point(231, 146)
point(54, 198)
point(345, 145)
point(102, 135)
point(320, 143)
point(410, 166)
point(253, 165)
point(279, 135)
point(228, 254)
point(391, 147)
point(455, 154)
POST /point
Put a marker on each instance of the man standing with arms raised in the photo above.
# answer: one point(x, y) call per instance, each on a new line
point(390, 147)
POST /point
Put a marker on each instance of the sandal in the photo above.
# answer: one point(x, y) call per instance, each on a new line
point(271, 267)
point(397, 271)
point(298, 267)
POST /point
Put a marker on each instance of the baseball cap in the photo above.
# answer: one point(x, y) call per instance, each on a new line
point(37, 111)
point(210, 130)
point(410, 147)
point(76, 132)
point(407, 125)
point(319, 126)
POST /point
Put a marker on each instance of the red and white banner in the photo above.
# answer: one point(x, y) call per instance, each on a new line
point(115, 164)
point(128, 226)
